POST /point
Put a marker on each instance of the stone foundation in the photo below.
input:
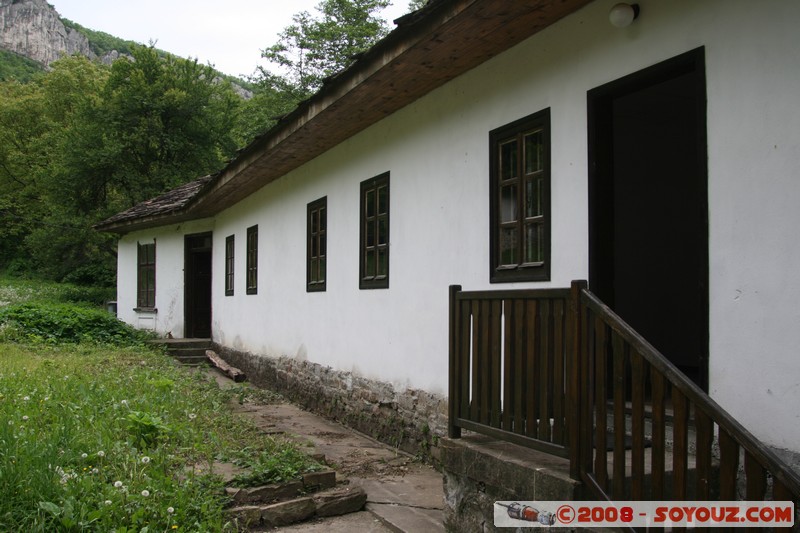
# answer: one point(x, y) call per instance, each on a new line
point(411, 420)
point(479, 471)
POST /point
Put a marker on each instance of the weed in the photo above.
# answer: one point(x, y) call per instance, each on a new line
point(64, 323)
point(94, 438)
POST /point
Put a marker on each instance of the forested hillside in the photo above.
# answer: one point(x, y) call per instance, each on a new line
point(84, 140)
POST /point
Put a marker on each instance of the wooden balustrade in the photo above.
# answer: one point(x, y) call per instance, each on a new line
point(558, 371)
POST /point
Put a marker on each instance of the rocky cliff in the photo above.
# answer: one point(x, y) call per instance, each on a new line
point(32, 28)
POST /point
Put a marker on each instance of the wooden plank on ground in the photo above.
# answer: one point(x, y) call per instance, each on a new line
point(232, 372)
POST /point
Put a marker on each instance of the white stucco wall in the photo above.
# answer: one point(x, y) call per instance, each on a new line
point(169, 315)
point(437, 153)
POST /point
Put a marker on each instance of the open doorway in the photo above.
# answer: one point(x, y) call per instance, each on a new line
point(197, 286)
point(648, 206)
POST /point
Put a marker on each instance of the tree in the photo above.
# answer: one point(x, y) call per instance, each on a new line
point(84, 141)
point(163, 122)
point(315, 48)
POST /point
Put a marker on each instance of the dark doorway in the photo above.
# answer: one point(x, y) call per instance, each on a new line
point(197, 284)
point(648, 202)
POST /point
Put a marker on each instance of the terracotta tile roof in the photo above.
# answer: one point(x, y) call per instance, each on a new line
point(169, 202)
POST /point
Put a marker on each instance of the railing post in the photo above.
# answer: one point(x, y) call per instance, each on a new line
point(574, 369)
point(453, 370)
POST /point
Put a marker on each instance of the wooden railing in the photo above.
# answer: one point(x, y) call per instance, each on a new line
point(558, 371)
point(510, 374)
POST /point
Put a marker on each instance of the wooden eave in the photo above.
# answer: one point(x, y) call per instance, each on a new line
point(443, 40)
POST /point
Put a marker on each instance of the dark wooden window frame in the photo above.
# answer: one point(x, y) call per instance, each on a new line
point(374, 233)
point(230, 250)
point(251, 273)
point(146, 276)
point(317, 245)
point(520, 270)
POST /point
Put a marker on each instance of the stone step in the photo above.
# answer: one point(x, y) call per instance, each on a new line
point(312, 481)
point(331, 502)
point(191, 360)
point(184, 343)
point(187, 351)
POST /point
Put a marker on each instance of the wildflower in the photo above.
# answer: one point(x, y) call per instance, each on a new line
point(124, 402)
point(108, 502)
point(170, 510)
point(95, 471)
point(192, 416)
point(26, 398)
point(25, 418)
point(101, 453)
point(145, 493)
point(117, 484)
point(84, 455)
point(145, 460)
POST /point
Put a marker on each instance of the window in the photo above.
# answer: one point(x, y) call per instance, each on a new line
point(317, 245)
point(520, 200)
point(229, 251)
point(374, 249)
point(252, 260)
point(146, 276)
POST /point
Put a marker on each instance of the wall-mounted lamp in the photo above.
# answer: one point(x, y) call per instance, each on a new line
point(622, 15)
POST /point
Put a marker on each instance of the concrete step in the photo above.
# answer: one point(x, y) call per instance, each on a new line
point(187, 351)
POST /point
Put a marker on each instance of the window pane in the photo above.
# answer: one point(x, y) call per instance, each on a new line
point(383, 200)
point(370, 237)
point(321, 277)
point(534, 243)
point(374, 231)
point(314, 247)
point(508, 246)
point(508, 160)
point(370, 203)
point(533, 197)
point(314, 270)
point(383, 230)
point(323, 219)
point(369, 267)
point(508, 203)
point(383, 262)
point(323, 244)
point(314, 222)
point(534, 152)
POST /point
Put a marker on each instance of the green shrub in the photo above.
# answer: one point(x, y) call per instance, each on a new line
point(56, 323)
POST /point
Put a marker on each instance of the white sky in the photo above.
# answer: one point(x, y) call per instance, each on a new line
point(229, 34)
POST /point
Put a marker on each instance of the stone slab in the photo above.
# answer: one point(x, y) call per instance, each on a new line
point(319, 480)
point(265, 493)
point(360, 522)
point(339, 501)
point(290, 512)
point(408, 519)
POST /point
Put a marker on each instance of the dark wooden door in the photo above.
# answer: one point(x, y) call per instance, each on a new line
point(197, 294)
point(649, 207)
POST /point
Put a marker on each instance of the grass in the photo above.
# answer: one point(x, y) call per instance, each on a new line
point(98, 436)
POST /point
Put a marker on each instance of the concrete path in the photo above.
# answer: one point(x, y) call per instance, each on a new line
point(403, 495)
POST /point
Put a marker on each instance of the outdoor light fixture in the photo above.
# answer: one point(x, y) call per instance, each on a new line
point(622, 15)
